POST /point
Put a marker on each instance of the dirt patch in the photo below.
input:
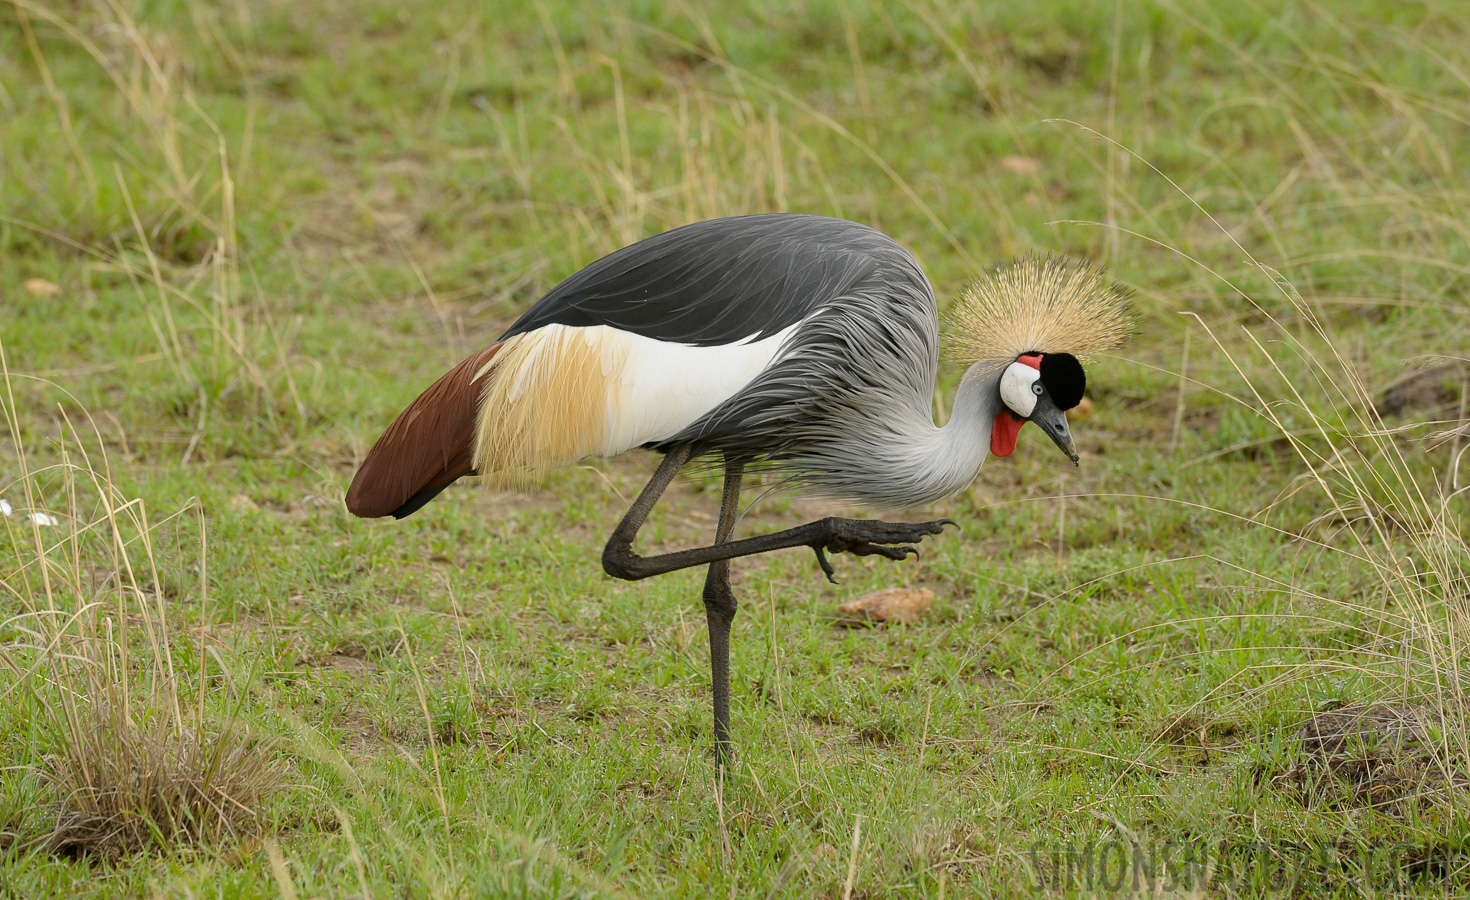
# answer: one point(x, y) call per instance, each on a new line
point(1380, 755)
point(343, 662)
point(886, 731)
point(1434, 390)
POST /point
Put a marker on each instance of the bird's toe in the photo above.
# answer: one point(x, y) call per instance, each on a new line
point(889, 551)
point(825, 563)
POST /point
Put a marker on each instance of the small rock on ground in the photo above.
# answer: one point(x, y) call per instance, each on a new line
point(891, 605)
point(1019, 165)
point(40, 287)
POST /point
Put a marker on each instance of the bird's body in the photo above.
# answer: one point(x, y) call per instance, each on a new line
point(735, 336)
point(805, 344)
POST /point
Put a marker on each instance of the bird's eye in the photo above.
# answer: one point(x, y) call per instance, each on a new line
point(1036, 388)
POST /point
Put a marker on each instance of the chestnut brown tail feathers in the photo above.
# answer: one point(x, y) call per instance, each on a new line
point(427, 447)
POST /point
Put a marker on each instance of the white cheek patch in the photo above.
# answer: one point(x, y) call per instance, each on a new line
point(1015, 388)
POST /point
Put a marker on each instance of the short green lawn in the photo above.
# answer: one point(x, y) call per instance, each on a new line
point(1224, 654)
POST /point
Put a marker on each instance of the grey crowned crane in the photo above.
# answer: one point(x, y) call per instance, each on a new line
point(801, 344)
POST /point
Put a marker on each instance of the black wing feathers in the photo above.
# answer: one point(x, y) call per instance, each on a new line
point(716, 282)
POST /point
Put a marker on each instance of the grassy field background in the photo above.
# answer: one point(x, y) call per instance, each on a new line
point(236, 238)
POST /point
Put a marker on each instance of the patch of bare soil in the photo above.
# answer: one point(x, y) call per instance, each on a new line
point(1380, 755)
point(340, 661)
point(1434, 390)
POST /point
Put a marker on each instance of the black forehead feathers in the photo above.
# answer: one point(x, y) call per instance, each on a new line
point(1063, 378)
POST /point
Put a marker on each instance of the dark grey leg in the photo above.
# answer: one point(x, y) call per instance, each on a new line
point(637, 514)
point(860, 537)
point(719, 609)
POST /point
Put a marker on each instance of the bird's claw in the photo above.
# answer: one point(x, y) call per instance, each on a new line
point(825, 563)
point(943, 522)
point(875, 539)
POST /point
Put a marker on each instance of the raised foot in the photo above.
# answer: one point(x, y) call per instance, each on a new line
point(869, 537)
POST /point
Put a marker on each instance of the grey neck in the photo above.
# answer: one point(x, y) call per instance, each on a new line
point(945, 460)
point(896, 457)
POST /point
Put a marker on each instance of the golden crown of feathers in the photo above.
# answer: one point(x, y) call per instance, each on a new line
point(1039, 304)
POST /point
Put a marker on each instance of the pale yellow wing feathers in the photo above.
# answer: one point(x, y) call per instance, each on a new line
point(560, 393)
point(544, 405)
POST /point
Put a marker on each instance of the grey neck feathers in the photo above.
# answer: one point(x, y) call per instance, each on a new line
point(949, 458)
point(903, 459)
point(891, 454)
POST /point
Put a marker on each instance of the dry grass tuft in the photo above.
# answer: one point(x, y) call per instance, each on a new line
point(129, 782)
point(120, 705)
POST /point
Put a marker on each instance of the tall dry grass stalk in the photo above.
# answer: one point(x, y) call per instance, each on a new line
point(1383, 514)
point(1389, 516)
point(183, 259)
point(124, 728)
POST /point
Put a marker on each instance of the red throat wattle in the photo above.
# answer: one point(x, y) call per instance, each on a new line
point(1003, 433)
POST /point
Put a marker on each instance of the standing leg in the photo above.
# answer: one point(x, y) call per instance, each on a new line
point(856, 536)
point(719, 609)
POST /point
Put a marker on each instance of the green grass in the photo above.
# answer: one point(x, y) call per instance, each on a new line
point(271, 224)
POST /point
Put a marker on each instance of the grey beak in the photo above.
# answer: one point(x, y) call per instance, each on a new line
point(1054, 422)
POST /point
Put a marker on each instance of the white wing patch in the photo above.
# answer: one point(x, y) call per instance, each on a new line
point(655, 389)
point(560, 393)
